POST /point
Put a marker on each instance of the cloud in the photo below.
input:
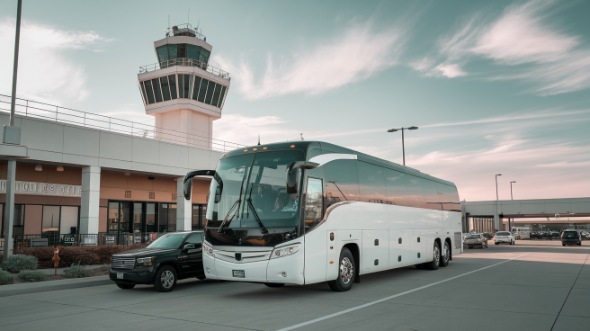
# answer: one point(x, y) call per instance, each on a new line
point(232, 128)
point(357, 54)
point(520, 40)
point(521, 36)
point(45, 72)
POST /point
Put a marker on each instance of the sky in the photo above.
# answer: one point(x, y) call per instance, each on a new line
point(495, 87)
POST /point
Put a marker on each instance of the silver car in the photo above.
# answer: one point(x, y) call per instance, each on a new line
point(504, 237)
point(476, 240)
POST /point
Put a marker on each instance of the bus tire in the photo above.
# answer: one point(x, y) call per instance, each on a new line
point(346, 272)
point(435, 263)
point(445, 255)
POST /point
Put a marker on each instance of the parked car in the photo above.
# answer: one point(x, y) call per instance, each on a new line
point(585, 235)
point(489, 236)
point(173, 256)
point(476, 240)
point(504, 237)
point(571, 237)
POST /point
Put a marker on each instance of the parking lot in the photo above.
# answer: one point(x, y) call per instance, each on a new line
point(533, 285)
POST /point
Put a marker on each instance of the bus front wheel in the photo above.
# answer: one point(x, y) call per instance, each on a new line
point(346, 272)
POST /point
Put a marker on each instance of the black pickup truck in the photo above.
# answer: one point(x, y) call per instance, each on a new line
point(173, 256)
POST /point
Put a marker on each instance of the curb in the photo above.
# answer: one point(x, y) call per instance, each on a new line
point(52, 285)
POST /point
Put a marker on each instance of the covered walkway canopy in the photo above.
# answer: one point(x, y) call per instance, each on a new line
point(542, 211)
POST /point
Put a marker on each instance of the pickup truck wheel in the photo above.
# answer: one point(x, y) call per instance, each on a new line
point(165, 279)
point(125, 286)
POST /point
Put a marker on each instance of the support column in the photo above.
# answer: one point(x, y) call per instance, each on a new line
point(90, 204)
point(9, 210)
point(184, 208)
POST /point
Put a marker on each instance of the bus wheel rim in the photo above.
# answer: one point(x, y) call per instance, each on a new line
point(346, 270)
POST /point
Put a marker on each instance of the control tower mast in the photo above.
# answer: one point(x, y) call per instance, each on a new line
point(182, 91)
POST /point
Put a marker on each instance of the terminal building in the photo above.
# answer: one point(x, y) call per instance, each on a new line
point(93, 179)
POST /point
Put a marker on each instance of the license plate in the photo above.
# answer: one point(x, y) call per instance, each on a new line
point(239, 273)
point(120, 275)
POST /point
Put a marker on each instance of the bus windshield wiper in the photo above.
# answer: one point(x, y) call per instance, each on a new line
point(251, 206)
point(229, 217)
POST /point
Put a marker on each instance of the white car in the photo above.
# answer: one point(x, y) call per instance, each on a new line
point(504, 237)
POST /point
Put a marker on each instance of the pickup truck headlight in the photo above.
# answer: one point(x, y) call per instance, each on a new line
point(285, 251)
point(144, 261)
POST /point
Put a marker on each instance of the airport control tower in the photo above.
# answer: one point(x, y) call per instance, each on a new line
point(182, 91)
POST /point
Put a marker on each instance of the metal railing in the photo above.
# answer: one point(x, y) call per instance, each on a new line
point(186, 62)
point(53, 113)
point(100, 239)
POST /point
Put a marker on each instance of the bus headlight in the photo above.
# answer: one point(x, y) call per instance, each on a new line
point(285, 251)
point(208, 250)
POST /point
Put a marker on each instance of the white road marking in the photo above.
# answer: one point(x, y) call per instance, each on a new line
point(323, 318)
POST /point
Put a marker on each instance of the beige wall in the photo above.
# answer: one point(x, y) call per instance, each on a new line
point(33, 218)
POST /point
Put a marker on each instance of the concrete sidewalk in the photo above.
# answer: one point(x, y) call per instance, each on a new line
point(51, 285)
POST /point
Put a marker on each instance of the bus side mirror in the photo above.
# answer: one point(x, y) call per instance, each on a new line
point(188, 181)
point(294, 172)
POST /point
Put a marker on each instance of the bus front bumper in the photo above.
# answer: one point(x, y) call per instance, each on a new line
point(284, 270)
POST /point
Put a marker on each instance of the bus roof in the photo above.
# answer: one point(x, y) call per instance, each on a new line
point(314, 148)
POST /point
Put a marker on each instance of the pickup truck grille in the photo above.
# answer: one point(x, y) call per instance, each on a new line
point(123, 263)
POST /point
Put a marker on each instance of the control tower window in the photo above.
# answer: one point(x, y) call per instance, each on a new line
point(165, 88)
point(172, 82)
point(197, 87)
point(157, 91)
point(210, 90)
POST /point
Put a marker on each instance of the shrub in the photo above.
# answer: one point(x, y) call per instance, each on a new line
point(6, 277)
point(76, 271)
point(74, 255)
point(44, 255)
point(31, 276)
point(18, 262)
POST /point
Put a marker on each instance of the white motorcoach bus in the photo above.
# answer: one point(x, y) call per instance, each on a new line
point(307, 212)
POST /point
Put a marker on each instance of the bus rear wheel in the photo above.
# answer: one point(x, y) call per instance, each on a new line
point(446, 254)
point(435, 264)
point(346, 272)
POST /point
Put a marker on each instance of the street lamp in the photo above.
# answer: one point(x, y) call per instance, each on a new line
point(497, 185)
point(403, 146)
point(511, 196)
point(496, 217)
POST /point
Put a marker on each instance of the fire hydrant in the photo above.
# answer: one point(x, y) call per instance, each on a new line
point(55, 258)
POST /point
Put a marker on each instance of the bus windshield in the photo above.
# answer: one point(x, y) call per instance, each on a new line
point(248, 200)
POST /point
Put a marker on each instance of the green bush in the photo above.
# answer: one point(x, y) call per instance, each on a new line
point(76, 271)
point(43, 255)
point(6, 277)
point(31, 276)
point(18, 262)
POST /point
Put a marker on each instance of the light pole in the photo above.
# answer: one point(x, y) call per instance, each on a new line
point(497, 185)
point(496, 217)
point(403, 144)
point(511, 198)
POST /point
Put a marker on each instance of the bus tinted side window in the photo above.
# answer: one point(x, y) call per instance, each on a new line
point(371, 183)
point(341, 181)
point(395, 187)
